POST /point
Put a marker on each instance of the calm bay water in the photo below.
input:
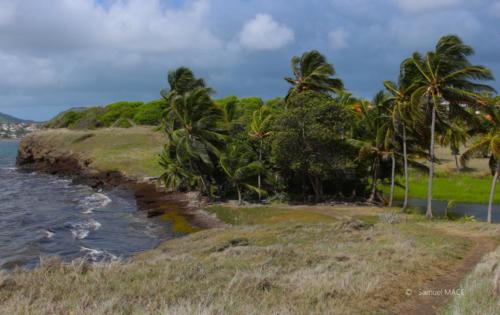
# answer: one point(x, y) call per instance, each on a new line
point(44, 215)
point(477, 210)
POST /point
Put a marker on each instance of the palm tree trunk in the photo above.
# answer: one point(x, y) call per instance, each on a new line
point(492, 192)
point(405, 157)
point(393, 171)
point(456, 163)
point(374, 181)
point(428, 213)
point(260, 161)
point(205, 188)
point(240, 199)
point(315, 183)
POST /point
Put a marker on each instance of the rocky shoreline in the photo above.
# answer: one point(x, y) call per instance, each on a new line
point(149, 195)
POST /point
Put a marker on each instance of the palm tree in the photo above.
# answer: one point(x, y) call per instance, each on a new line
point(312, 72)
point(445, 74)
point(401, 114)
point(376, 141)
point(181, 81)
point(175, 177)
point(454, 136)
point(489, 142)
point(239, 168)
point(193, 127)
point(259, 131)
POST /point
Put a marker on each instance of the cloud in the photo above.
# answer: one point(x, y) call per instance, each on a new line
point(56, 54)
point(338, 38)
point(264, 33)
point(418, 5)
point(134, 25)
point(26, 72)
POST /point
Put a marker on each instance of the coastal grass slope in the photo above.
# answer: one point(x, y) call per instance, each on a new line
point(134, 151)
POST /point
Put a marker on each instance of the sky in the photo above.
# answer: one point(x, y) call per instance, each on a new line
point(58, 54)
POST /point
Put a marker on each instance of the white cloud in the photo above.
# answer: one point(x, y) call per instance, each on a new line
point(26, 72)
point(418, 5)
point(338, 38)
point(133, 25)
point(64, 44)
point(264, 33)
point(143, 25)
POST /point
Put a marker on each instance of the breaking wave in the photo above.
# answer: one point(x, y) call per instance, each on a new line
point(95, 201)
point(81, 230)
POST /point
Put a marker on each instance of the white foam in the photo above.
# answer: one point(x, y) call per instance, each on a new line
point(95, 255)
point(81, 230)
point(49, 234)
point(80, 234)
point(95, 201)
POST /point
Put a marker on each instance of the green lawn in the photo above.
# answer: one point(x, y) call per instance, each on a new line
point(464, 187)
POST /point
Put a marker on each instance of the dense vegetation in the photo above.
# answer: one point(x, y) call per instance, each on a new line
point(119, 114)
point(318, 142)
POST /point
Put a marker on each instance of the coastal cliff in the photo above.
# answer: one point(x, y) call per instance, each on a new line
point(101, 160)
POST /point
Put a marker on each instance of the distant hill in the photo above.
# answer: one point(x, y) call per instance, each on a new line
point(7, 119)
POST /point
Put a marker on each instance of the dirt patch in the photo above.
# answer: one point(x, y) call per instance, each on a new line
point(433, 296)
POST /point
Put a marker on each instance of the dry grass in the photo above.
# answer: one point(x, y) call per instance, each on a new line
point(285, 268)
point(481, 289)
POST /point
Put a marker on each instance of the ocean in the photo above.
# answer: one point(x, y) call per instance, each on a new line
point(44, 215)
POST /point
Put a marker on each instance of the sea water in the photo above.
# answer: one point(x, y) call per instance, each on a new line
point(44, 215)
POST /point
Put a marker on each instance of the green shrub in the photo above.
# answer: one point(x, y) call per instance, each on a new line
point(122, 123)
point(65, 119)
point(118, 110)
point(150, 113)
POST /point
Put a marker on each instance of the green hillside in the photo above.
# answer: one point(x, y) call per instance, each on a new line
point(7, 119)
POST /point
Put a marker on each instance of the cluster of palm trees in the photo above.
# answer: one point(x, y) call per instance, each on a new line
point(438, 97)
point(201, 152)
point(218, 146)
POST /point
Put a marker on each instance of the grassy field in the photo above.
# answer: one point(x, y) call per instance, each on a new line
point(471, 185)
point(133, 151)
point(289, 260)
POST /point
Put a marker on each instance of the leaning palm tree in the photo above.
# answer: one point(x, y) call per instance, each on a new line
point(175, 176)
point(312, 72)
point(402, 115)
point(445, 74)
point(375, 142)
point(259, 130)
point(194, 132)
point(239, 167)
point(181, 81)
point(490, 143)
